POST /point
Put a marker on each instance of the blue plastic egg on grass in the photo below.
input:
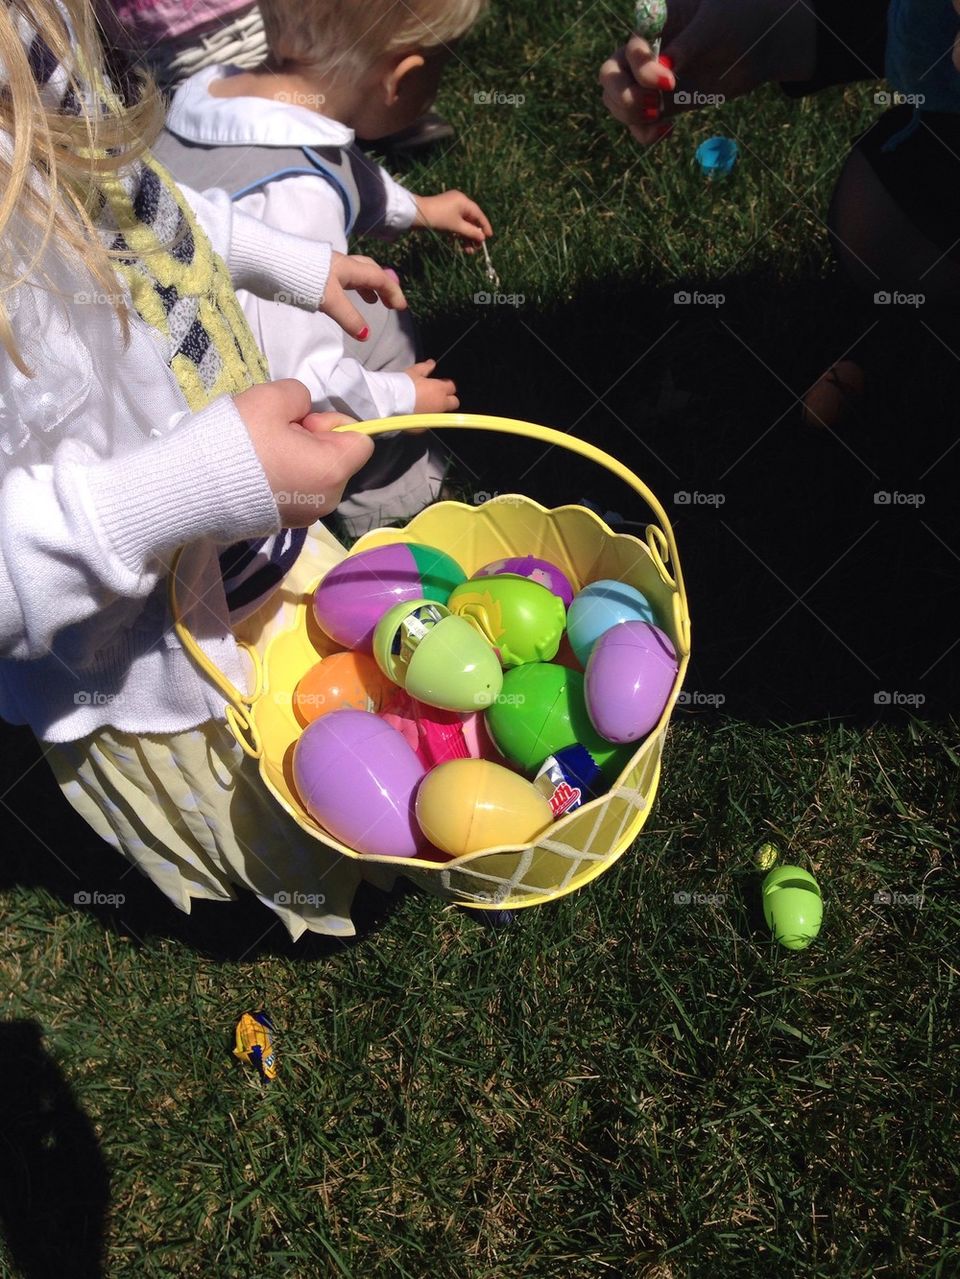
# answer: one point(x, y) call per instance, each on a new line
point(717, 156)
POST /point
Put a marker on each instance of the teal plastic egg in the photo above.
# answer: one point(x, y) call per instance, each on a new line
point(598, 607)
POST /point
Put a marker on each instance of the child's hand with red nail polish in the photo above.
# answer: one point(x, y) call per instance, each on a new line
point(372, 282)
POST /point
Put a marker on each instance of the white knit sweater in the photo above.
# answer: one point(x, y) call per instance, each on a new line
point(104, 472)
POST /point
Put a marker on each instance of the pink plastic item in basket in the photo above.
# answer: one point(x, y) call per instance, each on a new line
point(151, 20)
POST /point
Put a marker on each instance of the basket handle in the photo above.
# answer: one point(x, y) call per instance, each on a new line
point(661, 541)
point(238, 708)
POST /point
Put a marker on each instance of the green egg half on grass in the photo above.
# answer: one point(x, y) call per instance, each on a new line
point(792, 906)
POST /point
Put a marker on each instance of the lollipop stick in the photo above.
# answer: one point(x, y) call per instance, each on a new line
point(490, 268)
point(651, 18)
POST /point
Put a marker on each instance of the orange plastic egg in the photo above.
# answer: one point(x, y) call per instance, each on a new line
point(342, 681)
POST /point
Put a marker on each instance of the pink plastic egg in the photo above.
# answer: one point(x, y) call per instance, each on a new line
point(629, 678)
point(358, 778)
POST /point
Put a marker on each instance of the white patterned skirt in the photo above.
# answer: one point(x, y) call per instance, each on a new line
point(191, 812)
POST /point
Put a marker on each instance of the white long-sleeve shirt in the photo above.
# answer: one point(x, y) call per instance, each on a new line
point(296, 344)
point(104, 472)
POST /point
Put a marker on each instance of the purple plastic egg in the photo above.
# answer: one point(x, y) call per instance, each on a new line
point(629, 678)
point(540, 571)
point(358, 778)
point(356, 593)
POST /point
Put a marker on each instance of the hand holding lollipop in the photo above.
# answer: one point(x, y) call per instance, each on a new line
point(651, 20)
point(635, 77)
point(721, 48)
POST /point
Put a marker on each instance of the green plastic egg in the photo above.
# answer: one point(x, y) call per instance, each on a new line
point(792, 906)
point(541, 710)
point(521, 619)
point(437, 658)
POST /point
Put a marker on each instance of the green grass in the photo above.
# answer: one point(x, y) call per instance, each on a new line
point(619, 1085)
point(622, 1084)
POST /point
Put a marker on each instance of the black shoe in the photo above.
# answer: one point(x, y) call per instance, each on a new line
point(427, 132)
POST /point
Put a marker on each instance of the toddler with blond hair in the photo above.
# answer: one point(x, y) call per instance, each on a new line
point(281, 140)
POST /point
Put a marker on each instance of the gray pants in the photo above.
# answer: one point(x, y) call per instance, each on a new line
point(406, 471)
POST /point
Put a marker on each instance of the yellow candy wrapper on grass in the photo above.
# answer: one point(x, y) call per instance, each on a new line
point(255, 1045)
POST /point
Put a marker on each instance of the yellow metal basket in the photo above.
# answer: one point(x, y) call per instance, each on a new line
point(585, 843)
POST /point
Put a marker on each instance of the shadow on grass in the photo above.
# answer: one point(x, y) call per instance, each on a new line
point(54, 1184)
point(822, 568)
point(49, 846)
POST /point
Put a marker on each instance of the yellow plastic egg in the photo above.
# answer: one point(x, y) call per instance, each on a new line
point(767, 856)
point(469, 804)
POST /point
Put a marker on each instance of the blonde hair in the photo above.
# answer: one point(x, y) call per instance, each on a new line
point(52, 151)
point(345, 38)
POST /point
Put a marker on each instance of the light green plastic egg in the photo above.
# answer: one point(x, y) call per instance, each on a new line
point(521, 619)
point(437, 658)
point(792, 906)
